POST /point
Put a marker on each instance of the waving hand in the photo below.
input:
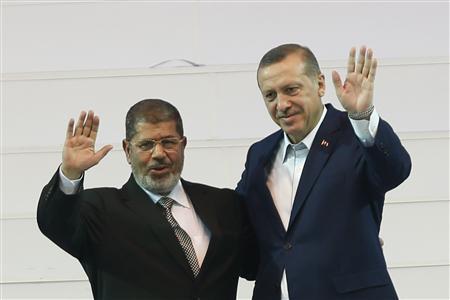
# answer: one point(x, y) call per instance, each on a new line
point(356, 94)
point(79, 148)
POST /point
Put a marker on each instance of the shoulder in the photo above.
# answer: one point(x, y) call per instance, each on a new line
point(100, 195)
point(101, 191)
point(264, 147)
point(219, 198)
point(268, 140)
point(206, 189)
point(222, 201)
point(336, 115)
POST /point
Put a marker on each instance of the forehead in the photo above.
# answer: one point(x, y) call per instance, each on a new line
point(156, 130)
point(292, 68)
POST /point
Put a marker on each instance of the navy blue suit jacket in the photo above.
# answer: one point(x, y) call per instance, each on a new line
point(331, 248)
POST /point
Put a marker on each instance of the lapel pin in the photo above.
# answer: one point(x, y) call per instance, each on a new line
point(324, 143)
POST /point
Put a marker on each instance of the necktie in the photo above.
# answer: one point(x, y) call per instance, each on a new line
point(182, 236)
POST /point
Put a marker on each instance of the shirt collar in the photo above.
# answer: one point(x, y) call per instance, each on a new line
point(307, 141)
point(178, 194)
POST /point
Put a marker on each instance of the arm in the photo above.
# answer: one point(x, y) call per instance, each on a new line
point(61, 216)
point(249, 250)
point(388, 163)
point(241, 187)
point(249, 245)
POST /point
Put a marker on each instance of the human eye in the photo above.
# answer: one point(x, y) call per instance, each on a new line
point(269, 96)
point(146, 145)
point(292, 90)
point(169, 143)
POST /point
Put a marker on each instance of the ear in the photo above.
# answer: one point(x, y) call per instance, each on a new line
point(184, 143)
point(126, 149)
point(321, 85)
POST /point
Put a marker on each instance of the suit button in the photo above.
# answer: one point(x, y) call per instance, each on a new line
point(287, 246)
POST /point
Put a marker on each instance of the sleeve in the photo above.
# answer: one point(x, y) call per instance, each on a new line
point(366, 130)
point(249, 250)
point(242, 184)
point(387, 161)
point(67, 186)
point(249, 245)
point(70, 221)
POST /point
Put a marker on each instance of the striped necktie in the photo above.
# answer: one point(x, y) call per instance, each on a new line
point(182, 236)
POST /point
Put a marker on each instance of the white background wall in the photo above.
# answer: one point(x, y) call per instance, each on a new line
point(61, 57)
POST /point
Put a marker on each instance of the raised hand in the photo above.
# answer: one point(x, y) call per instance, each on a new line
point(356, 94)
point(79, 148)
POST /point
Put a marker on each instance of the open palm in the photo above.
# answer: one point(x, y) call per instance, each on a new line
point(356, 94)
point(79, 148)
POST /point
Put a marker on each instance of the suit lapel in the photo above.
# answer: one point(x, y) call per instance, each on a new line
point(321, 149)
point(152, 215)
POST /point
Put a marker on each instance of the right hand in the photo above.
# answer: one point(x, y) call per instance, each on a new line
point(79, 148)
point(356, 94)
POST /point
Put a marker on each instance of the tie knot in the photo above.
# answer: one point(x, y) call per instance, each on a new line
point(166, 202)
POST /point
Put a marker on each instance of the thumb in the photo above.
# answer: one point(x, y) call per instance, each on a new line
point(100, 154)
point(337, 83)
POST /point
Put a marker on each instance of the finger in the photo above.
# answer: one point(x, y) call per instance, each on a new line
point(69, 132)
point(100, 154)
point(95, 125)
point(88, 123)
point(373, 70)
point(368, 63)
point(337, 82)
point(351, 60)
point(361, 59)
point(80, 123)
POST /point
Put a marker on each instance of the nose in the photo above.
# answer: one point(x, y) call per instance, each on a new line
point(283, 103)
point(158, 151)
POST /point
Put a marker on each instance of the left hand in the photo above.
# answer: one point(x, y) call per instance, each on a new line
point(356, 94)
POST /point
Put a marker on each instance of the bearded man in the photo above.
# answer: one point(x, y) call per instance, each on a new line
point(157, 237)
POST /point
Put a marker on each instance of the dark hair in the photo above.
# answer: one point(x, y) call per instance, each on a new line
point(151, 111)
point(279, 53)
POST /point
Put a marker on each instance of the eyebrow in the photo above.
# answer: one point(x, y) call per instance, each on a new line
point(164, 137)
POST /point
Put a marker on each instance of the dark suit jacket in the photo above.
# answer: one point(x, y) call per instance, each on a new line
point(129, 250)
point(331, 248)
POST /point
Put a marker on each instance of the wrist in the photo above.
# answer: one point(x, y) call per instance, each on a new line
point(70, 174)
point(363, 115)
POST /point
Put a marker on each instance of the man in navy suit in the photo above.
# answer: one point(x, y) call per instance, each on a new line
point(315, 189)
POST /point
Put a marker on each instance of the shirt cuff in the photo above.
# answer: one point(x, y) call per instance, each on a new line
point(366, 130)
point(67, 186)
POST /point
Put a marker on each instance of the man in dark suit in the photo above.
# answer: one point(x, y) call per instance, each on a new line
point(315, 189)
point(159, 236)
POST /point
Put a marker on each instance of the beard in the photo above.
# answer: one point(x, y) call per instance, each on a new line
point(159, 185)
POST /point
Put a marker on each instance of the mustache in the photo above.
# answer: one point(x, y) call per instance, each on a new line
point(156, 165)
point(281, 115)
point(285, 114)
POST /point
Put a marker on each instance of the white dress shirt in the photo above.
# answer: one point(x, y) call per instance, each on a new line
point(287, 169)
point(182, 211)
